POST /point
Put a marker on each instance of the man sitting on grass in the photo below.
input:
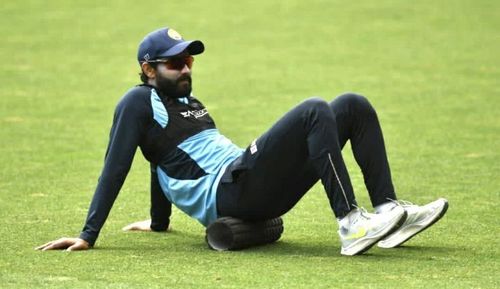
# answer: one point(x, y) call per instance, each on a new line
point(206, 176)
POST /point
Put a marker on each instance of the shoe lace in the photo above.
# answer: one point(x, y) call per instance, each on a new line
point(401, 202)
point(362, 212)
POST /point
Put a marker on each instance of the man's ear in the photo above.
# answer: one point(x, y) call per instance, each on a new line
point(148, 70)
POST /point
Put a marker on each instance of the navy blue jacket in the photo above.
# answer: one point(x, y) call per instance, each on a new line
point(187, 154)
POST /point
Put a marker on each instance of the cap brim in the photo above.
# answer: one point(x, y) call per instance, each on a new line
point(193, 47)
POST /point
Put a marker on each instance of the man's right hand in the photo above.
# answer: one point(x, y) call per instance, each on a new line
point(69, 244)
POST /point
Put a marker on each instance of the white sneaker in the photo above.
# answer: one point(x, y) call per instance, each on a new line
point(361, 230)
point(419, 218)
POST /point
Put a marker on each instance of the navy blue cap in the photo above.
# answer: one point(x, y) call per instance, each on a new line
point(166, 42)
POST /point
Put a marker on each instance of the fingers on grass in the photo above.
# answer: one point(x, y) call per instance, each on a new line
point(75, 247)
point(128, 228)
point(57, 244)
point(78, 246)
point(44, 245)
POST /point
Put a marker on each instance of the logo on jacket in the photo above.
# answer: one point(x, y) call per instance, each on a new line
point(253, 147)
point(195, 113)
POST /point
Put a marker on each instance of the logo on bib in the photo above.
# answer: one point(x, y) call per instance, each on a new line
point(195, 113)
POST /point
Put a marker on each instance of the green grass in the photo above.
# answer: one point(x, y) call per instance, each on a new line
point(431, 68)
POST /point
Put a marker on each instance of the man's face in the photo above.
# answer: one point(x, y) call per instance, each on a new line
point(173, 78)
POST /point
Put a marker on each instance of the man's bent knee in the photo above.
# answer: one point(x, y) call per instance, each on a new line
point(315, 104)
point(355, 103)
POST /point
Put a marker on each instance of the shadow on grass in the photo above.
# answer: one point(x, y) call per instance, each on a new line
point(286, 248)
point(415, 251)
point(333, 250)
point(190, 242)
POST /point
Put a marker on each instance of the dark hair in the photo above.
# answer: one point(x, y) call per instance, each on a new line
point(144, 77)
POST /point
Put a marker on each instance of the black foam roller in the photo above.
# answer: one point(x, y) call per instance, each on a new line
point(229, 233)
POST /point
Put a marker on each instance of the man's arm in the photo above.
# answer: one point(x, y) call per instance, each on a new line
point(125, 135)
point(126, 132)
point(161, 208)
point(160, 211)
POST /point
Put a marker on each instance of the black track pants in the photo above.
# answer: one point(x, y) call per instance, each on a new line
point(304, 146)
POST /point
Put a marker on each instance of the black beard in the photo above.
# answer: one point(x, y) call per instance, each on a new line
point(174, 89)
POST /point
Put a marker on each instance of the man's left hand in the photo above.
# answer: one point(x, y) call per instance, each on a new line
point(144, 226)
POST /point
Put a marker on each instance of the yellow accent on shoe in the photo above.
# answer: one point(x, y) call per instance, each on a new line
point(360, 233)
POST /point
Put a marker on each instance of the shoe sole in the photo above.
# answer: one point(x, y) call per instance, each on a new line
point(398, 224)
point(441, 214)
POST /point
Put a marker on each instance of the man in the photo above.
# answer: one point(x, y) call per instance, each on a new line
point(206, 176)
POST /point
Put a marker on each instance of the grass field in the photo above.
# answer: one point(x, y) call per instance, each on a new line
point(431, 68)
